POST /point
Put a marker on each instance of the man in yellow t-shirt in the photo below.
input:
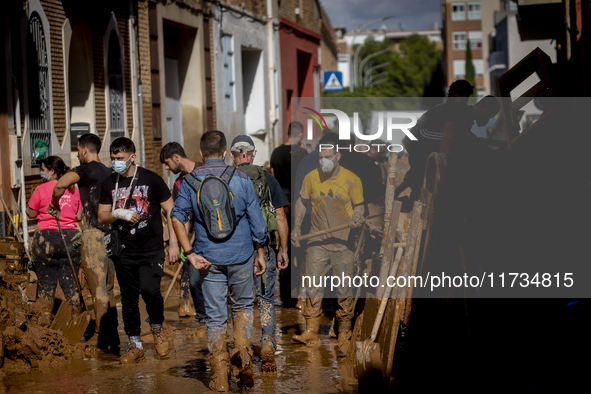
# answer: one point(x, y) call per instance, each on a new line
point(336, 195)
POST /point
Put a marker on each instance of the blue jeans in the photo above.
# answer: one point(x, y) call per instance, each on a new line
point(216, 281)
point(266, 295)
point(197, 294)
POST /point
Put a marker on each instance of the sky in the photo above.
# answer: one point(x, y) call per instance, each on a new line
point(412, 14)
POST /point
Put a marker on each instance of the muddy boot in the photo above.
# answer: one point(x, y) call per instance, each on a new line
point(160, 342)
point(221, 373)
point(185, 310)
point(134, 355)
point(241, 356)
point(268, 355)
point(310, 336)
point(344, 338)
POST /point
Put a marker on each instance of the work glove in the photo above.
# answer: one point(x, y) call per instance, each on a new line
point(53, 211)
point(296, 233)
point(356, 221)
point(76, 240)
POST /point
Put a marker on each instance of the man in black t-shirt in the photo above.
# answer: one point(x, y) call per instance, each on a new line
point(98, 268)
point(137, 215)
point(288, 156)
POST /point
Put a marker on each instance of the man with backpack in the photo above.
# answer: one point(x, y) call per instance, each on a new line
point(272, 201)
point(230, 233)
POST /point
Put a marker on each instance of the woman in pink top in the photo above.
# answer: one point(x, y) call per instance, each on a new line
point(49, 253)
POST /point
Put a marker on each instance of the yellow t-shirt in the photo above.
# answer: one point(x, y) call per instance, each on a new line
point(332, 201)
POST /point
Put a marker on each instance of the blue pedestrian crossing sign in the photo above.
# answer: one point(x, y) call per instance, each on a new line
point(333, 81)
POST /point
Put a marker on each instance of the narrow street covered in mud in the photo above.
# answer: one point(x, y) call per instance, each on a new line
point(300, 368)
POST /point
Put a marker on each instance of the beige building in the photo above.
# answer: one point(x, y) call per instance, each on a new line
point(465, 21)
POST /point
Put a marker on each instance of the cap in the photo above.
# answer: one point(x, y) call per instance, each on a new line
point(242, 143)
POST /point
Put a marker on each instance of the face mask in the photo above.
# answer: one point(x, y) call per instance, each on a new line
point(43, 177)
point(327, 165)
point(120, 166)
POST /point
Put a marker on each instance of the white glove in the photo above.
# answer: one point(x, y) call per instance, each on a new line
point(123, 214)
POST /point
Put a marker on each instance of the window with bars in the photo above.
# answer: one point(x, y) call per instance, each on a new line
point(115, 75)
point(38, 91)
point(229, 77)
point(458, 11)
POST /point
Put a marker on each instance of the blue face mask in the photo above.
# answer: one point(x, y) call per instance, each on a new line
point(43, 177)
point(120, 166)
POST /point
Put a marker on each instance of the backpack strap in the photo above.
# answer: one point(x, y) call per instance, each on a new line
point(193, 182)
point(228, 174)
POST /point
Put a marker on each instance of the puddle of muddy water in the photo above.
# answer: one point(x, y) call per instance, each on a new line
point(301, 369)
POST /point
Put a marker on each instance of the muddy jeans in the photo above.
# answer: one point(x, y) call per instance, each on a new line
point(216, 281)
point(266, 294)
point(197, 293)
point(52, 265)
point(100, 274)
point(140, 273)
point(342, 263)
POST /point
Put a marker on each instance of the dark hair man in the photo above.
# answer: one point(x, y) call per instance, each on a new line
point(429, 132)
point(336, 196)
point(140, 266)
point(288, 156)
point(225, 264)
point(176, 161)
point(273, 202)
point(98, 268)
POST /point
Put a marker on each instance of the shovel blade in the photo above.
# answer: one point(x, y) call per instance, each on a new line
point(71, 327)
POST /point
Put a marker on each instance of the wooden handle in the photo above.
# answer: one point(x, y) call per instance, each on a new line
point(331, 230)
point(173, 280)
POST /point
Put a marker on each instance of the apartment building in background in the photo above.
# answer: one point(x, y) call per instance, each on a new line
point(465, 21)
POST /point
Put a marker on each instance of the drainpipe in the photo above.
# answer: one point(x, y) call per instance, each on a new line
point(20, 163)
point(141, 107)
point(271, 76)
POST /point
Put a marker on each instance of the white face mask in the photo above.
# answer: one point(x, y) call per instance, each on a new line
point(327, 165)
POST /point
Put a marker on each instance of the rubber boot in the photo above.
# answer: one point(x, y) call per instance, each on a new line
point(221, 373)
point(310, 336)
point(241, 356)
point(268, 355)
point(344, 338)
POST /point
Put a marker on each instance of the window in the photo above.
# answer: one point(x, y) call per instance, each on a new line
point(478, 67)
point(38, 91)
point(474, 12)
point(115, 74)
point(459, 68)
point(475, 38)
point(459, 40)
point(458, 11)
point(228, 59)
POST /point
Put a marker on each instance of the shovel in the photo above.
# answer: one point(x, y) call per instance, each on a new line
point(73, 328)
point(369, 362)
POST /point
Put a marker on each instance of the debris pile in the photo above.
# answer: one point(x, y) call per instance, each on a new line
point(26, 341)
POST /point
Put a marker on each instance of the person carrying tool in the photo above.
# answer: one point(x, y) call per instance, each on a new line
point(132, 199)
point(230, 232)
point(98, 268)
point(48, 249)
point(175, 160)
point(272, 202)
point(336, 195)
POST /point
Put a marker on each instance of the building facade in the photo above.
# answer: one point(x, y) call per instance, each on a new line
point(465, 21)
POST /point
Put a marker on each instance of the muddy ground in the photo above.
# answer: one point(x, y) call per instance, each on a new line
point(301, 369)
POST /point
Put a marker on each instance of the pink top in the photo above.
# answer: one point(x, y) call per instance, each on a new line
point(69, 206)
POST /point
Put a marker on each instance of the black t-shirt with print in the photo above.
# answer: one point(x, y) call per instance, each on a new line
point(91, 176)
point(149, 192)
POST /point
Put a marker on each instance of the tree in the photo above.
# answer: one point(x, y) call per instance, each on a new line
point(411, 72)
point(470, 72)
